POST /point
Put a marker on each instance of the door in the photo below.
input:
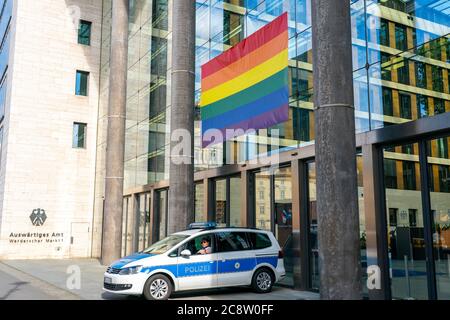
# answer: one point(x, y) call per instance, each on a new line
point(79, 239)
point(236, 259)
point(403, 184)
point(199, 270)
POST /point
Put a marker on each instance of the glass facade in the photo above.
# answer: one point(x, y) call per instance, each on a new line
point(148, 109)
point(438, 160)
point(199, 203)
point(416, 181)
point(405, 223)
point(6, 11)
point(227, 201)
point(401, 62)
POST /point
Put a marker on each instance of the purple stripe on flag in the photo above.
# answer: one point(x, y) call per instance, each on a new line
point(262, 121)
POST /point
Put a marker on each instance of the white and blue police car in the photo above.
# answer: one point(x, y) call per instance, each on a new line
point(201, 257)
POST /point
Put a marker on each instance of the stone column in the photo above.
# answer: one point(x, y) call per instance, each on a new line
point(337, 202)
point(181, 175)
point(112, 216)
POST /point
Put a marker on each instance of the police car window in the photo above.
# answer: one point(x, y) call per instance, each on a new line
point(200, 245)
point(259, 240)
point(232, 241)
point(165, 244)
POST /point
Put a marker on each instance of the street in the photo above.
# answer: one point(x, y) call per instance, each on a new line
point(12, 288)
point(82, 279)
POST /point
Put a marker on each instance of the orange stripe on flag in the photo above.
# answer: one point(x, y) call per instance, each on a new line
point(248, 62)
point(249, 44)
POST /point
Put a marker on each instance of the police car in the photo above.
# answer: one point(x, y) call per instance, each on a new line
point(201, 257)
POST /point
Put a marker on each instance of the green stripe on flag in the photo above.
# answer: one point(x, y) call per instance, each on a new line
point(246, 96)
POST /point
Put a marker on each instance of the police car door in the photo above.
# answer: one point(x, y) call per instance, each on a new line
point(236, 259)
point(199, 270)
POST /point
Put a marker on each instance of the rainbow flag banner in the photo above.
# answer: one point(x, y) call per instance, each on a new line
point(246, 87)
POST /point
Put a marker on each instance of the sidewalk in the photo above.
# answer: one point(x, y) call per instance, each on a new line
point(51, 276)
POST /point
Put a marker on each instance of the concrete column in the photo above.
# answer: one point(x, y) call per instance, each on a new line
point(337, 203)
point(181, 175)
point(112, 216)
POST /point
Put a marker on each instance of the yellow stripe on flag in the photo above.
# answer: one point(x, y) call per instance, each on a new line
point(246, 80)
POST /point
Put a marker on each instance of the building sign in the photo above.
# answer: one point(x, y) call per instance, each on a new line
point(38, 217)
point(36, 237)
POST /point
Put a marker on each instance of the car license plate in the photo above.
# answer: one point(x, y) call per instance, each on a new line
point(108, 280)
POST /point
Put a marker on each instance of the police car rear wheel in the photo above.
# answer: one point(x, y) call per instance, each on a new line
point(158, 287)
point(262, 281)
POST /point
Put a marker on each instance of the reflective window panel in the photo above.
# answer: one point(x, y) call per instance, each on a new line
point(438, 160)
point(405, 226)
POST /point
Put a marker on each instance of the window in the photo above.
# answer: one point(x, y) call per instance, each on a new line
point(384, 33)
point(405, 106)
point(435, 49)
point(165, 244)
point(422, 106)
point(437, 79)
point(199, 202)
point(444, 178)
point(385, 66)
point(261, 195)
point(360, 27)
point(2, 98)
point(81, 86)
point(421, 75)
point(387, 102)
point(84, 32)
point(232, 241)
point(390, 173)
point(393, 217)
point(442, 148)
point(160, 14)
point(447, 49)
point(301, 124)
point(408, 148)
point(409, 175)
point(203, 244)
point(1, 143)
point(439, 106)
point(412, 217)
point(403, 71)
point(233, 28)
point(79, 135)
point(259, 240)
point(400, 37)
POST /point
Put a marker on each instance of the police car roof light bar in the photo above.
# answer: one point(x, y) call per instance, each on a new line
point(203, 225)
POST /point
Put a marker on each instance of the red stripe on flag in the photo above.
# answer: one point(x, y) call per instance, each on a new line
point(251, 43)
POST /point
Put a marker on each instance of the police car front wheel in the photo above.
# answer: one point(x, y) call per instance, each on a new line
point(158, 287)
point(263, 280)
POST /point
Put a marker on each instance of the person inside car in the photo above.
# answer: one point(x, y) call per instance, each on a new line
point(206, 248)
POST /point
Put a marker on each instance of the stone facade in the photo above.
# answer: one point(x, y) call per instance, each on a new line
point(40, 170)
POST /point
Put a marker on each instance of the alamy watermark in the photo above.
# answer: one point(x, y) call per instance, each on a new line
point(213, 142)
point(73, 281)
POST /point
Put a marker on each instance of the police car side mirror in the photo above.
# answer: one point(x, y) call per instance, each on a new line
point(186, 253)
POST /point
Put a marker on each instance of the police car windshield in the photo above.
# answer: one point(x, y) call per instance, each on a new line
point(165, 244)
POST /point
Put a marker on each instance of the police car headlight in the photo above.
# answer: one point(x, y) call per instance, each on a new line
point(130, 270)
